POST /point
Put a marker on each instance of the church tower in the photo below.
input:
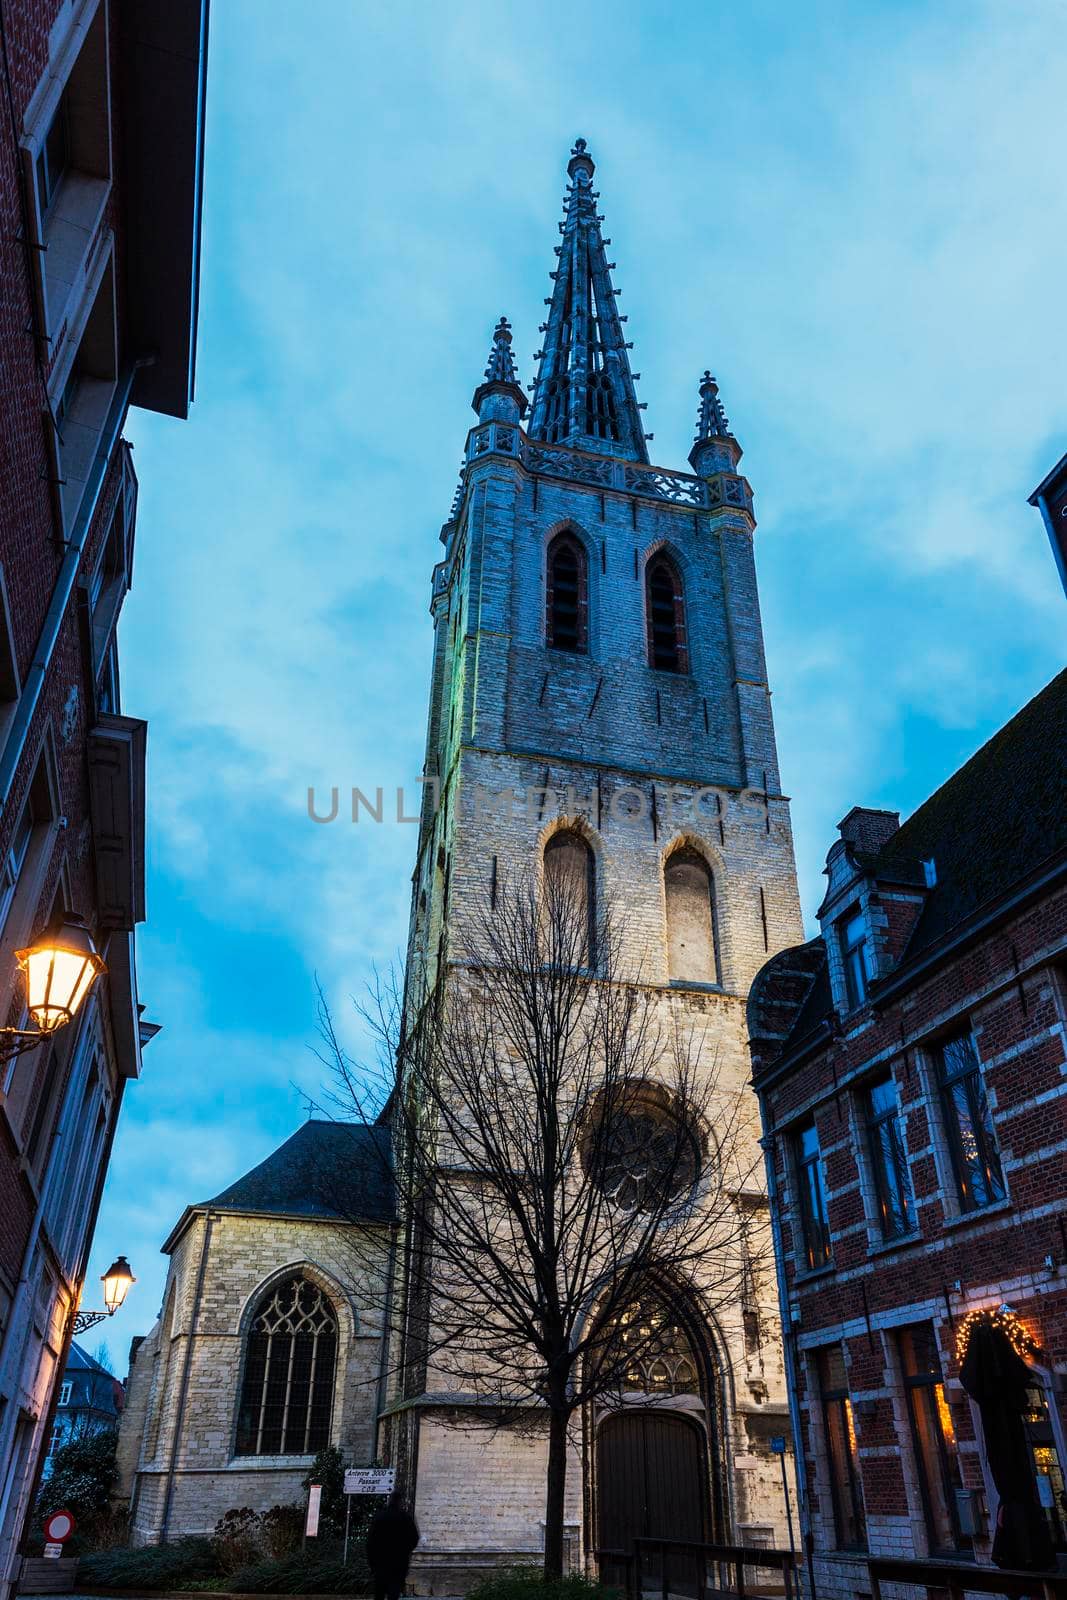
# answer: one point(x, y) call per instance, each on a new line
point(599, 683)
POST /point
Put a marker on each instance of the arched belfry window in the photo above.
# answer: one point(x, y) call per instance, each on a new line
point(290, 1361)
point(689, 895)
point(668, 649)
point(567, 607)
point(556, 408)
point(601, 421)
point(570, 901)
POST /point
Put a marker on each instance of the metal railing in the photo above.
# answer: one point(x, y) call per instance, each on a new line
point(957, 1578)
point(702, 1571)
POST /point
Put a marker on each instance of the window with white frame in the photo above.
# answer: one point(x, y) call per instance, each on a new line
point(855, 956)
point(885, 1137)
point(68, 161)
point(968, 1123)
point(65, 1389)
point(15, 859)
point(811, 1185)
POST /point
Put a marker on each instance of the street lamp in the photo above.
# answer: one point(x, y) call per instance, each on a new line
point(116, 1280)
point(60, 968)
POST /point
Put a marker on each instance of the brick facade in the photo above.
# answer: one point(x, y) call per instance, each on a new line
point(79, 308)
point(964, 911)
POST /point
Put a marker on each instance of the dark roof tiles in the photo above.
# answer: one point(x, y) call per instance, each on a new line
point(338, 1170)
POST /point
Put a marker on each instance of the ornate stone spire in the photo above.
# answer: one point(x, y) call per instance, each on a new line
point(711, 418)
point(500, 392)
point(584, 395)
point(714, 449)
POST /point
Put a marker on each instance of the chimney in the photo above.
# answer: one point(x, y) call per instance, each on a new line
point(868, 830)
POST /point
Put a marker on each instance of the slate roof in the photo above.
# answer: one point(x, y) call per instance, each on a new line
point(994, 824)
point(338, 1170)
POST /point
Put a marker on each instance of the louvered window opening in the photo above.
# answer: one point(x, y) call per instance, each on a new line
point(667, 648)
point(290, 1361)
point(567, 603)
point(601, 419)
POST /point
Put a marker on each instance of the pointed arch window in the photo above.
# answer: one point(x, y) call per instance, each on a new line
point(668, 649)
point(570, 901)
point(567, 598)
point(650, 1351)
point(290, 1362)
point(690, 904)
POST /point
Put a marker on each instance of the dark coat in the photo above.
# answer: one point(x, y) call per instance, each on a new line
point(391, 1537)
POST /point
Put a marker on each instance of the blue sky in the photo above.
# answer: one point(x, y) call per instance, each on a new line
point(853, 213)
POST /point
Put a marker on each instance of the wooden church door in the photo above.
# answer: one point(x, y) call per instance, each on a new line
point(652, 1483)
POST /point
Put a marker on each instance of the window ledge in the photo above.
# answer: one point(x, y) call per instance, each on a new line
point(267, 1463)
point(979, 1214)
point(904, 1242)
point(693, 983)
point(72, 232)
point(812, 1274)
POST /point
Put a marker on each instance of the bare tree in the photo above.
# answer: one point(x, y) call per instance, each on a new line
point(562, 1153)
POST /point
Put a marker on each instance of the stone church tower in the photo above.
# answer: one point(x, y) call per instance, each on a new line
point(599, 686)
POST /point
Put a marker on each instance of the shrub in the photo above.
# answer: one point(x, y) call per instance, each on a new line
point(529, 1583)
point(281, 1530)
point(153, 1566)
point(305, 1573)
point(238, 1539)
point(82, 1478)
point(328, 1469)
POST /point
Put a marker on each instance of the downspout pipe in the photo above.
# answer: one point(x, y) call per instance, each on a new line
point(788, 1348)
point(183, 1388)
point(29, 699)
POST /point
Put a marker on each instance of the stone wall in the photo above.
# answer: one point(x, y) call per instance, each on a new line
point(196, 1352)
point(524, 739)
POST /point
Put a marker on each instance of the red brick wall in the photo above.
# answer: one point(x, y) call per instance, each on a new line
point(1010, 988)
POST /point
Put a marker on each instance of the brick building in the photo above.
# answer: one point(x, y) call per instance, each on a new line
point(911, 1068)
point(100, 155)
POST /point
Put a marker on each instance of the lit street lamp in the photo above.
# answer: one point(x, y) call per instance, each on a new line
point(60, 968)
point(116, 1280)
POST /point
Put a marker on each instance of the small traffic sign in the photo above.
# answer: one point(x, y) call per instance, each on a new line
point(778, 1445)
point(53, 1551)
point(370, 1480)
point(59, 1526)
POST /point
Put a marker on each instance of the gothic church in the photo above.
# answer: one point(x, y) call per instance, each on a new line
point(597, 643)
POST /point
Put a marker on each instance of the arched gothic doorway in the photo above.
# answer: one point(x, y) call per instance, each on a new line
point(658, 1473)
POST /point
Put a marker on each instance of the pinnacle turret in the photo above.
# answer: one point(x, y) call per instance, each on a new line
point(584, 395)
point(714, 449)
point(500, 392)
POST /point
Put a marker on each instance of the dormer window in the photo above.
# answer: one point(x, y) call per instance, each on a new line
point(856, 957)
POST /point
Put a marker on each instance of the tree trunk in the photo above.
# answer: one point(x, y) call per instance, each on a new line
point(554, 1490)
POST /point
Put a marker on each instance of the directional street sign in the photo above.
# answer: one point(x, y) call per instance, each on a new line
point(370, 1480)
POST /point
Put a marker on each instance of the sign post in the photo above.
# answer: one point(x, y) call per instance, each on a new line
point(778, 1449)
point(365, 1480)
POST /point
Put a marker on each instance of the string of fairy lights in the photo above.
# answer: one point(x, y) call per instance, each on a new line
point(1003, 1320)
